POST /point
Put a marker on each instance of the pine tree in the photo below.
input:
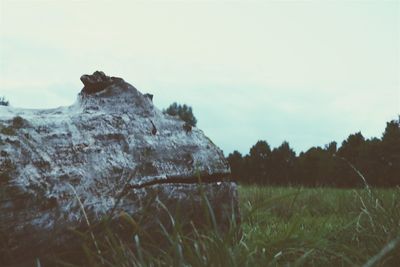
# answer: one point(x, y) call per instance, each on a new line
point(184, 112)
point(4, 102)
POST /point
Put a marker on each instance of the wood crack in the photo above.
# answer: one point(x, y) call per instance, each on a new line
point(181, 179)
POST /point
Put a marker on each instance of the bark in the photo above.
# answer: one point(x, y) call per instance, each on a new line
point(103, 156)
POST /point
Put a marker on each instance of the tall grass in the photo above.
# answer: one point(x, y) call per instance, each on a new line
point(280, 227)
point(324, 227)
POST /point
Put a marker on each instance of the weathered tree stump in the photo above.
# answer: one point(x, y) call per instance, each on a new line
point(101, 151)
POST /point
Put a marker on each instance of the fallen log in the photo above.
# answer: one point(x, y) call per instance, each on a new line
point(109, 152)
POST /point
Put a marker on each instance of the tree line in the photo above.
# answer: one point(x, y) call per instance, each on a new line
point(375, 160)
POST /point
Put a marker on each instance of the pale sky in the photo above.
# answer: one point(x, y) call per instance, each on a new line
point(308, 72)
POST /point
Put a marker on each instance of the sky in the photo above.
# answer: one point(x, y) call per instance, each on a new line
point(305, 72)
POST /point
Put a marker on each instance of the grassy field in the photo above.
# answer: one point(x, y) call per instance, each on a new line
point(280, 227)
point(320, 227)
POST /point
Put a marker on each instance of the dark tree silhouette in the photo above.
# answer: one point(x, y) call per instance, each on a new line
point(281, 164)
point(184, 112)
point(258, 162)
point(309, 167)
point(236, 162)
point(351, 151)
point(370, 161)
point(351, 147)
point(3, 101)
point(391, 152)
point(331, 148)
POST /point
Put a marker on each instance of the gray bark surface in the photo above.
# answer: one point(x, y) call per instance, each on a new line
point(104, 148)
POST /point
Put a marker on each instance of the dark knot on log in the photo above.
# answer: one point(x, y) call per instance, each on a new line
point(97, 82)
